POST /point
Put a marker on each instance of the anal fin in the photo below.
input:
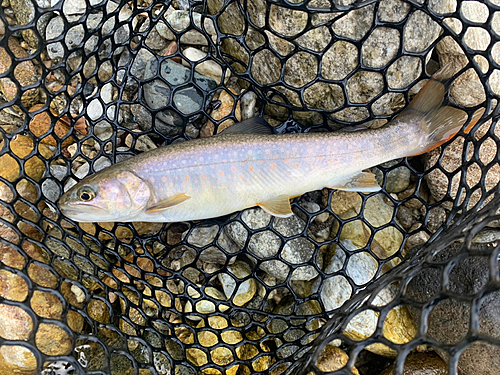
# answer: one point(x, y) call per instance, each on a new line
point(364, 182)
point(277, 206)
point(166, 203)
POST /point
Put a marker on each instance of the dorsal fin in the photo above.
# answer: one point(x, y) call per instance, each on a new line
point(254, 125)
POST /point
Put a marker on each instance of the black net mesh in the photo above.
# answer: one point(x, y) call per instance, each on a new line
point(351, 280)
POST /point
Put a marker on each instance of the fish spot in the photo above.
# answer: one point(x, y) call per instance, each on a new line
point(286, 160)
point(330, 161)
point(171, 184)
point(268, 152)
point(294, 149)
point(187, 177)
point(164, 179)
point(233, 168)
point(273, 165)
point(183, 185)
point(250, 152)
point(309, 151)
point(242, 163)
point(203, 176)
point(261, 161)
point(221, 172)
point(241, 176)
point(297, 165)
point(212, 166)
point(250, 168)
point(307, 159)
point(152, 179)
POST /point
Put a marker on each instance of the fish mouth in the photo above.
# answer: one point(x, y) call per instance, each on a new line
point(77, 209)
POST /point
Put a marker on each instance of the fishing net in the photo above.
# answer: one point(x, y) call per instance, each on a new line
point(354, 283)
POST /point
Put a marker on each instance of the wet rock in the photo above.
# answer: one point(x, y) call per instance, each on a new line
point(24, 72)
point(333, 358)
point(208, 68)
point(19, 360)
point(397, 180)
point(41, 124)
point(52, 340)
point(246, 289)
point(449, 320)
point(15, 323)
point(12, 286)
point(24, 12)
point(421, 364)
point(266, 244)
point(188, 100)
point(437, 217)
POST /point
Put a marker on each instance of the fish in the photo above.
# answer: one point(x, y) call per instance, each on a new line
point(247, 166)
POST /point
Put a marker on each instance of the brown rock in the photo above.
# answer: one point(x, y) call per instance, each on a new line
point(42, 276)
point(52, 340)
point(18, 360)
point(15, 323)
point(41, 123)
point(75, 321)
point(420, 364)
point(12, 286)
point(22, 146)
point(224, 110)
point(46, 305)
point(333, 358)
point(99, 311)
point(24, 72)
point(342, 201)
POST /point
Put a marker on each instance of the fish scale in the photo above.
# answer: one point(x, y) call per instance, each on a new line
point(234, 170)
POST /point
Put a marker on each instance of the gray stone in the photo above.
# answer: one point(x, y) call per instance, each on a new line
point(449, 320)
point(420, 32)
point(188, 100)
point(51, 190)
point(380, 47)
point(266, 244)
point(398, 179)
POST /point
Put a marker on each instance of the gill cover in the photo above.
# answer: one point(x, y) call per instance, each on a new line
point(138, 190)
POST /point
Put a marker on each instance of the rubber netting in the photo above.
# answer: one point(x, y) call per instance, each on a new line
point(246, 293)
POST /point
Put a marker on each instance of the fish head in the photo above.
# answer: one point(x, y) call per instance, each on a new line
point(106, 196)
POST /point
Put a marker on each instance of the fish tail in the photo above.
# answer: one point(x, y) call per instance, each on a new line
point(440, 123)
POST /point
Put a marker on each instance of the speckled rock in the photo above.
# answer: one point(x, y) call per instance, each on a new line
point(12, 286)
point(267, 244)
point(449, 320)
point(52, 340)
point(209, 67)
point(15, 323)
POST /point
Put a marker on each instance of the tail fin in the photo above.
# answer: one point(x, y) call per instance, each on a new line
point(441, 123)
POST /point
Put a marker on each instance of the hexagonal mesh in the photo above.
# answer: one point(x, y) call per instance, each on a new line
point(350, 282)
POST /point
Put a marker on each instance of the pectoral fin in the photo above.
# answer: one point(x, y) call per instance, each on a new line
point(363, 182)
point(166, 203)
point(277, 206)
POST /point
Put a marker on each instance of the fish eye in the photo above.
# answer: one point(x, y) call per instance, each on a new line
point(86, 194)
